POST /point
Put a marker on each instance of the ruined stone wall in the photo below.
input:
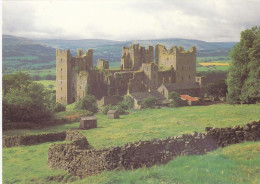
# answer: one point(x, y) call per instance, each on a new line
point(121, 81)
point(185, 65)
point(102, 64)
point(82, 162)
point(183, 62)
point(67, 69)
point(138, 83)
point(166, 77)
point(151, 75)
point(63, 76)
point(165, 58)
point(133, 57)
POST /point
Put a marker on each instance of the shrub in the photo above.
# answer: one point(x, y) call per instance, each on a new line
point(127, 103)
point(149, 102)
point(59, 107)
point(89, 102)
point(176, 99)
point(106, 108)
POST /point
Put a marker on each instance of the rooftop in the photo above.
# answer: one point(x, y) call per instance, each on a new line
point(189, 98)
point(88, 118)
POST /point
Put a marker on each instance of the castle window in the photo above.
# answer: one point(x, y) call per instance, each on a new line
point(61, 69)
point(182, 77)
point(61, 59)
point(189, 76)
point(61, 88)
point(182, 67)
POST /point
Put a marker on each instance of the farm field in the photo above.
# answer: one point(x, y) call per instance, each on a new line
point(51, 84)
point(242, 159)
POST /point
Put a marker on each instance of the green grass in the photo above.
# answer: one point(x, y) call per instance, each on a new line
point(46, 83)
point(158, 123)
point(41, 73)
point(114, 65)
point(234, 164)
point(211, 68)
point(231, 165)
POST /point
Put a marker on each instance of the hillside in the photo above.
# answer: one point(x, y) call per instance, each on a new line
point(28, 54)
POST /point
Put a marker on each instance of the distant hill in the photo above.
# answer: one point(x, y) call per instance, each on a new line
point(23, 53)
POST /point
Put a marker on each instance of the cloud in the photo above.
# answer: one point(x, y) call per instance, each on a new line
point(126, 20)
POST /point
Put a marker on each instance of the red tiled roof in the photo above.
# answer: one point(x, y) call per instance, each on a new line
point(187, 97)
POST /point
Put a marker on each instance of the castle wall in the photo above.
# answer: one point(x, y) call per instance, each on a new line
point(151, 75)
point(137, 83)
point(166, 77)
point(67, 70)
point(63, 76)
point(165, 58)
point(102, 64)
point(121, 81)
point(183, 62)
point(185, 65)
point(133, 57)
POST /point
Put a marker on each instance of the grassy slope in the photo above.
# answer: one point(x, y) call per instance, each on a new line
point(234, 164)
point(158, 123)
point(22, 164)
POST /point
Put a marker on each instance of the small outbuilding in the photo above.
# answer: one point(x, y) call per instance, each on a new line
point(190, 100)
point(112, 114)
point(88, 122)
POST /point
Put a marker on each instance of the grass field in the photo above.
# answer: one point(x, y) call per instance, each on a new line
point(47, 83)
point(234, 164)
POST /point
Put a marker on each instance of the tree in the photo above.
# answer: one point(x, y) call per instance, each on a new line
point(11, 81)
point(217, 89)
point(244, 73)
point(89, 102)
point(27, 103)
point(176, 99)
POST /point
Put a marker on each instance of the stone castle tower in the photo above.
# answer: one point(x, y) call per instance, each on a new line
point(68, 69)
point(183, 62)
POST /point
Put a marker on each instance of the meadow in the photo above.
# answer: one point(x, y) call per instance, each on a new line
point(234, 164)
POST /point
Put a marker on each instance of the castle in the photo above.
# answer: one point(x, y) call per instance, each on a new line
point(139, 76)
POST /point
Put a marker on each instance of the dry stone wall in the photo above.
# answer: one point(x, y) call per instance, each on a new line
point(76, 138)
point(82, 162)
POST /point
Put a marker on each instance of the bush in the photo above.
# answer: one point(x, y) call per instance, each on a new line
point(176, 99)
point(106, 108)
point(127, 102)
point(149, 102)
point(89, 102)
point(59, 107)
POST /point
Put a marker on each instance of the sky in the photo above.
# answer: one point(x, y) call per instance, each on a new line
point(208, 20)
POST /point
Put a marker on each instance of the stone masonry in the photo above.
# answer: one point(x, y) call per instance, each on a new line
point(77, 77)
point(83, 162)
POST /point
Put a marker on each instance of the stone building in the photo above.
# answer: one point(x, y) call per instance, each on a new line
point(173, 70)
